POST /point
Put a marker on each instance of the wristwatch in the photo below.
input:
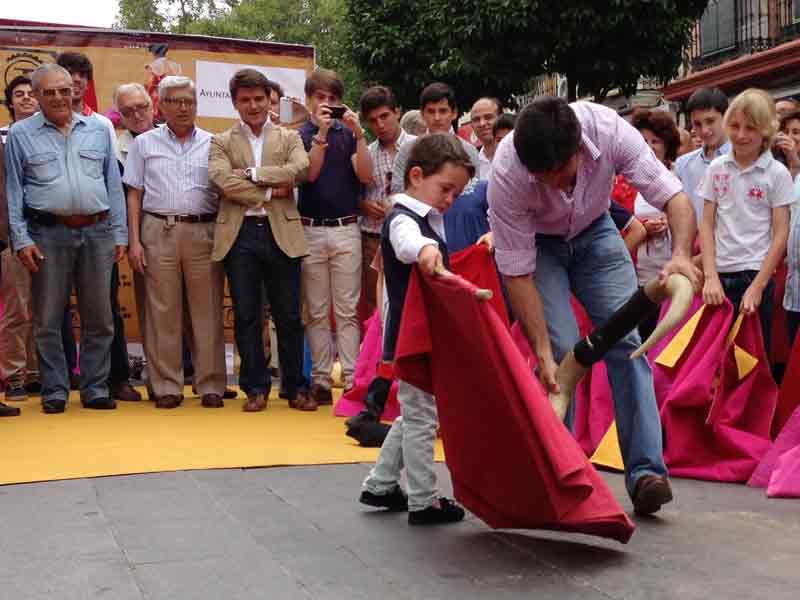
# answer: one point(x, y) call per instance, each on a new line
point(250, 172)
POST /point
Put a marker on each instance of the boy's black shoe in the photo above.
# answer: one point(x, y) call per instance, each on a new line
point(448, 512)
point(394, 501)
point(8, 411)
point(52, 407)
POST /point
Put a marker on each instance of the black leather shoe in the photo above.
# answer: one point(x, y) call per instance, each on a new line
point(448, 512)
point(366, 430)
point(52, 407)
point(652, 491)
point(100, 404)
point(9, 411)
point(394, 501)
point(229, 394)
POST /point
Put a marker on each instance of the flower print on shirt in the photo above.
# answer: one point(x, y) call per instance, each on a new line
point(721, 183)
point(756, 193)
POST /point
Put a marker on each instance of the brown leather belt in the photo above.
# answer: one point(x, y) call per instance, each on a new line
point(372, 235)
point(340, 222)
point(204, 218)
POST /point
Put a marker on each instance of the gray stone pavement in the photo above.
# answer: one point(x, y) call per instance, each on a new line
point(298, 533)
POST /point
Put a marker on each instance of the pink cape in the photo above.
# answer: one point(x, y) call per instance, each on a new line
point(474, 263)
point(779, 470)
point(512, 462)
point(716, 422)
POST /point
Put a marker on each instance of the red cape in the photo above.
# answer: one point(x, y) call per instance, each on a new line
point(513, 463)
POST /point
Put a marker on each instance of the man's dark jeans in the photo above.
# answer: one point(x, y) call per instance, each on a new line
point(255, 261)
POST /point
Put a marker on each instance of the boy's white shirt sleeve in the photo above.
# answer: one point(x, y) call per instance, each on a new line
point(407, 239)
point(784, 190)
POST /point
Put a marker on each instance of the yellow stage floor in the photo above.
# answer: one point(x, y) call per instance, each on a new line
point(138, 438)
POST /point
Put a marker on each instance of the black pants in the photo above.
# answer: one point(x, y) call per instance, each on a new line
point(736, 284)
point(120, 368)
point(255, 261)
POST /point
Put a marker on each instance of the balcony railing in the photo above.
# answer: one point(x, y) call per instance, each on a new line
point(733, 28)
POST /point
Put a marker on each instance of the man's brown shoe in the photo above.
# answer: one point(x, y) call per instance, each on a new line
point(303, 401)
point(652, 491)
point(212, 401)
point(168, 401)
point(320, 395)
point(255, 403)
point(125, 391)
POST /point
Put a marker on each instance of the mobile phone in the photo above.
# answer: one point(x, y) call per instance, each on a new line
point(337, 112)
point(286, 113)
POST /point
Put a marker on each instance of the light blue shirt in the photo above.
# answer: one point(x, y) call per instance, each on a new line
point(791, 297)
point(76, 174)
point(690, 169)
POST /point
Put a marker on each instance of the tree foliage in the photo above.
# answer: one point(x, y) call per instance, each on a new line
point(320, 23)
point(497, 46)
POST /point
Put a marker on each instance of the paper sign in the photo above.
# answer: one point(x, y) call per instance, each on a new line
point(213, 97)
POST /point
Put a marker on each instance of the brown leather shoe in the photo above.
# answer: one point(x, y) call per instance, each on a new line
point(168, 401)
point(652, 491)
point(322, 396)
point(255, 403)
point(212, 401)
point(125, 391)
point(303, 401)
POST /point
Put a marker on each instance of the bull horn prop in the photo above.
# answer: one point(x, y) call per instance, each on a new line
point(594, 347)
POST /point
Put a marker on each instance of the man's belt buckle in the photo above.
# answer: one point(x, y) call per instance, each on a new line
point(171, 221)
point(75, 221)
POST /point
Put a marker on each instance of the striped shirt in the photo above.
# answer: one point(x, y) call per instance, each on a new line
point(520, 206)
point(174, 176)
point(380, 188)
point(791, 298)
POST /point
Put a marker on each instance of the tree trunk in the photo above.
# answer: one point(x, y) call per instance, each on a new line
point(572, 88)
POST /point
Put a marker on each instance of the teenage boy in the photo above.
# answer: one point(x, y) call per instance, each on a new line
point(706, 108)
point(439, 111)
point(380, 109)
point(339, 164)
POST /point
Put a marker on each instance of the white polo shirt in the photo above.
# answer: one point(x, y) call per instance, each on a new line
point(745, 199)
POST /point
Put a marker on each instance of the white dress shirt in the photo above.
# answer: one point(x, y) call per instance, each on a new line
point(257, 147)
point(404, 232)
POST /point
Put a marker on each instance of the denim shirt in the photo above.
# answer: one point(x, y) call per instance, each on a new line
point(76, 174)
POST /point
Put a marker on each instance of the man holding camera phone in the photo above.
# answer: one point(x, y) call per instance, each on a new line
point(329, 207)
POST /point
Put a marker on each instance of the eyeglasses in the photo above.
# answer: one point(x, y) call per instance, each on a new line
point(52, 92)
point(182, 102)
point(129, 111)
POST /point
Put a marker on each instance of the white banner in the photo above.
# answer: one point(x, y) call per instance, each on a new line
point(213, 98)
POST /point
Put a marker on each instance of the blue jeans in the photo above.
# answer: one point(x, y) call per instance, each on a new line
point(82, 257)
point(254, 262)
point(596, 266)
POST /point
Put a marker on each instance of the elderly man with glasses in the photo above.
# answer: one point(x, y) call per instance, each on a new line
point(172, 209)
point(67, 223)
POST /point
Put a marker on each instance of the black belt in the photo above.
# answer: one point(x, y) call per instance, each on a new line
point(369, 234)
point(204, 218)
point(340, 222)
point(257, 219)
point(48, 219)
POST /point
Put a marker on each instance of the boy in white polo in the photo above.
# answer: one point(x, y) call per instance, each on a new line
point(745, 223)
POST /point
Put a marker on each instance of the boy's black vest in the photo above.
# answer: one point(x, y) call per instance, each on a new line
point(397, 274)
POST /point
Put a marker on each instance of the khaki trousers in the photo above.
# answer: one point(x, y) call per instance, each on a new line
point(331, 274)
point(179, 258)
point(17, 344)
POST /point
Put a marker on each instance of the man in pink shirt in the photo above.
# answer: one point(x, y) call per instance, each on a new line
point(548, 208)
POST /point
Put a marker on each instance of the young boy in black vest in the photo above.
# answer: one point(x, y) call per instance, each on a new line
point(413, 232)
